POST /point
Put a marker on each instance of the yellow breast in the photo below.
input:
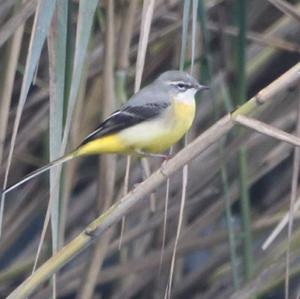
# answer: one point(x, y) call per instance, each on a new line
point(182, 118)
point(184, 115)
point(159, 134)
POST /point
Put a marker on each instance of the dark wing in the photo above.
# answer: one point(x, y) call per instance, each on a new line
point(125, 118)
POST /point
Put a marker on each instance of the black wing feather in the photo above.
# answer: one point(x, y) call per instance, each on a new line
point(125, 118)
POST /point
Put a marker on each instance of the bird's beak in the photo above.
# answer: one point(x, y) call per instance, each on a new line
point(202, 87)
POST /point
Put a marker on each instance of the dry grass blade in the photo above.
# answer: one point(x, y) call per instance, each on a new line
point(194, 27)
point(14, 48)
point(43, 234)
point(123, 50)
point(286, 8)
point(107, 165)
point(280, 226)
point(179, 225)
point(184, 39)
point(147, 172)
point(125, 191)
point(164, 224)
point(19, 19)
point(126, 36)
point(266, 129)
point(147, 13)
point(294, 187)
point(262, 39)
point(4, 8)
point(259, 284)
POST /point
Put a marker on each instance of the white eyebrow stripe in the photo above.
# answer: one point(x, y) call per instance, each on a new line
point(177, 82)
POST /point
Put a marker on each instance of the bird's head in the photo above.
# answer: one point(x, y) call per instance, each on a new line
point(180, 84)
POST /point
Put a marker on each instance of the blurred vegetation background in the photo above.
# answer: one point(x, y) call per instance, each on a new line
point(65, 65)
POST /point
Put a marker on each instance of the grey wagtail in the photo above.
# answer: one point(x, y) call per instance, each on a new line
point(152, 120)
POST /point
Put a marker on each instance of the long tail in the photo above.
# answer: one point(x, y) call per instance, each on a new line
point(40, 171)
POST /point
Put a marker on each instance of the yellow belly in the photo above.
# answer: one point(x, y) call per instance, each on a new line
point(151, 136)
point(109, 144)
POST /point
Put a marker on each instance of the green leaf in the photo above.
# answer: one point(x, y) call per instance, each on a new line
point(40, 28)
point(57, 60)
point(85, 21)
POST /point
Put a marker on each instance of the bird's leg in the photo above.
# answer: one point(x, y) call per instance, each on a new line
point(151, 155)
point(165, 157)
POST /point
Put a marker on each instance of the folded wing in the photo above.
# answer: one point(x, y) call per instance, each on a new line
point(125, 118)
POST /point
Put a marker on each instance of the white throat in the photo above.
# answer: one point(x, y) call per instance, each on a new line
point(186, 96)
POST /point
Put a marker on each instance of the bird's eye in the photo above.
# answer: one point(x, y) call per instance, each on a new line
point(182, 86)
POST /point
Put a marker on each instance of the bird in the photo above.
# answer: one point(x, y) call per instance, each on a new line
point(150, 122)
